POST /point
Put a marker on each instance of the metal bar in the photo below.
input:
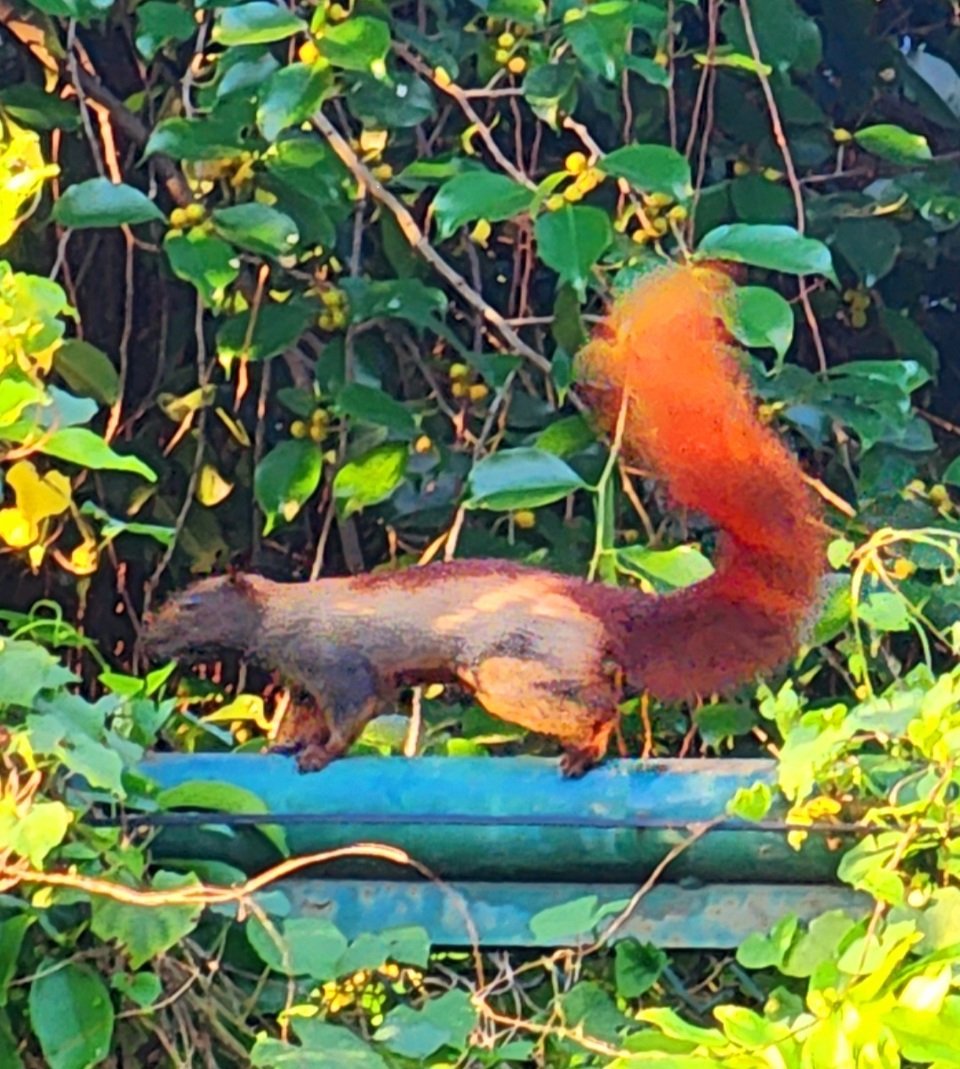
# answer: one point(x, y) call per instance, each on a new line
point(715, 916)
point(504, 819)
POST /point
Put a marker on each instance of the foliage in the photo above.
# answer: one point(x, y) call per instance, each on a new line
point(301, 287)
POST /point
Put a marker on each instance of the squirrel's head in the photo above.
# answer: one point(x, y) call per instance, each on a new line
point(220, 613)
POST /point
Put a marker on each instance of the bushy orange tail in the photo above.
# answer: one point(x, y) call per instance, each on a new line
point(690, 420)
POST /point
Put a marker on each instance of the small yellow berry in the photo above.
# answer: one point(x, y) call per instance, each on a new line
point(195, 213)
point(332, 298)
point(657, 200)
point(178, 218)
point(772, 174)
point(298, 429)
point(308, 52)
point(459, 389)
point(661, 58)
point(939, 496)
point(576, 163)
point(317, 433)
point(525, 519)
point(84, 559)
point(441, 77)
point(660, 226)
point(516, 65)
point(432, 690)
point(842, 136)
point(501, 56)
point(858, 319)
point(337, 12)
point(572, 194)
point(641, 236)
point(740, 168)
point(554, 202)
point(478, 391)
point(373, 140)
point(506, 40)
point(383, 172)
point(677, 213)
point(458, 371)
point(589, 180)
point(903, 568)
point(423, 444)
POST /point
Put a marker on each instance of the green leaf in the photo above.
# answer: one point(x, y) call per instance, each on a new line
point(30, 106)
point(206, 138)
point(478, 195)
point(550, 87)
point(98, 202)
point(649, 70)
point(144, 933)
point(400, 298)
point(786, 37)
point(884, 611)
point(561, 923)
point(325, 1046)
point(26, 669)
point(677, 567)
point(80, 446)
point(760, 951)
point(277, 328)
point(652, 169)
point(302, 946)
point(565, 437)
point(571, 241)
point(207, 262)
point(637, 967)
point(400, 103)
point(87, 370)
point(598, 36)
point(285, 480)
point(370, 405)
point(370, 479)
point(291, 95)
point(258, 228)
point(142, 988)
point(256, 23)
point(158, 23)
point(750, 803)
point(36, 832)
point(220, 797)
point(723, 720)
point(521, 478)
point(370, 950)
point(893, 143)
point(870, 247)
point(12, 931)
point(359, 43)
point(759, 317)
point(71, 1015)
point(442, 1022)
point(756, 200)
point(776, 248)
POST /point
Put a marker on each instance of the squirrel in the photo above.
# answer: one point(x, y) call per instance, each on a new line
point(554, 653)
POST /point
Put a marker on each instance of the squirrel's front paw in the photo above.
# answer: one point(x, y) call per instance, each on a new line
point(313, 757)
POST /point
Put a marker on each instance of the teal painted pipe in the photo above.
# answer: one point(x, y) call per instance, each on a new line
point(719, 916)
point(487, 818)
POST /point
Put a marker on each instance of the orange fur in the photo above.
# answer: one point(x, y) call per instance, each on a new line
point(690, 419)
point(550, 652)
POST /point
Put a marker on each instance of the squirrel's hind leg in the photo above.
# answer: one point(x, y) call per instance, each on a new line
point(581, 713)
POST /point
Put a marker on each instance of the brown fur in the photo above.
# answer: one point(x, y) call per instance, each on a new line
point(550, 652)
